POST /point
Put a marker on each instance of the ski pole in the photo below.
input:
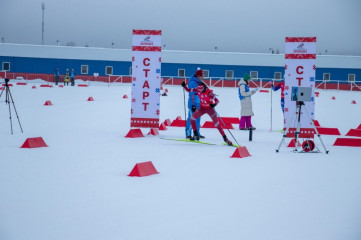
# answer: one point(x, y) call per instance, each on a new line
point(184, 100)
point(227, 128)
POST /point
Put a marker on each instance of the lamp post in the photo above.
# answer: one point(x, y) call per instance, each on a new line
point(42, 32)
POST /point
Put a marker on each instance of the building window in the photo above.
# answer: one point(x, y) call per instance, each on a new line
point(326, 77)
point(108, 70)
point(6, 66)
point(130, 71)
point(84, 69)
point(181, 72)
point(352, 77)
point(229, 74)
point(206, 73)
point(278, 75)
point(254, 74)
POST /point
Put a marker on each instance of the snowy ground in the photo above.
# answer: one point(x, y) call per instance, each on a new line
point(78, 188)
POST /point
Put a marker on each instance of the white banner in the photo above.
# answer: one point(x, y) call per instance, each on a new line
point(146, 78)
point(300, 69)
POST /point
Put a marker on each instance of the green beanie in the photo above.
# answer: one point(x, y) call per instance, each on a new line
point(246, 77)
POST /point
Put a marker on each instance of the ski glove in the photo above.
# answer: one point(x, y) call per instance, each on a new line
point(212, 105)
point(183, 84)
point(193, 108)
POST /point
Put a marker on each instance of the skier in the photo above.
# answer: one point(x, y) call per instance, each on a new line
point(281, 86)
point(208, 101)
point(193, 102)
point(246, 103)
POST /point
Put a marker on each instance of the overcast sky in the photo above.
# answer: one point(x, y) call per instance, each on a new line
point(196, 25)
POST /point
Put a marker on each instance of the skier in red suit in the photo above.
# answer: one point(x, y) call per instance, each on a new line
point(208, 102)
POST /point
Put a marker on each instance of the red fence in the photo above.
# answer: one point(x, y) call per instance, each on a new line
point(215, 82)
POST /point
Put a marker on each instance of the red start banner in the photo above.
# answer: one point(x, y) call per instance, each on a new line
point(300, 69)
point(146, 78)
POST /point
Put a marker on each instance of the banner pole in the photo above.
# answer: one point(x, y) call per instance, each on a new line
point(271, 105)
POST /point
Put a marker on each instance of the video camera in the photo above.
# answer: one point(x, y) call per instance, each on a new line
point(301, 94)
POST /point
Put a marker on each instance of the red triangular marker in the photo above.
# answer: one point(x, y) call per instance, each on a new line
point(241, 152)
point(143, 169)
point(34, 143)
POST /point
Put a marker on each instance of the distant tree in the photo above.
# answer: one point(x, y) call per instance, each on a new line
point(70, 44)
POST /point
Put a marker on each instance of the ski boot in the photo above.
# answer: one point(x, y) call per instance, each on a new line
point(195, 137)
point(227, 141)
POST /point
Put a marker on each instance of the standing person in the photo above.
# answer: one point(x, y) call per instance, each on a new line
point(208, 101)
point(67, 77)
point(72, 77)
point(281, 86)
point(246, 103)
point(56, 75)
point(193, 101)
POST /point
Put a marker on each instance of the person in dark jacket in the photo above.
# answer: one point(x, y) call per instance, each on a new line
point(72, 77)
point(281, 86)
point(56, 75)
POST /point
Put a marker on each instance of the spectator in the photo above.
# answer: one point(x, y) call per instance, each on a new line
point(56, 75)
point(72, 77)
point(67, 77)
point(281, 86)
point(246, 103)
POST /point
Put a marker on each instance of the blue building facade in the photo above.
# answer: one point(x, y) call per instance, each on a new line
point(228, 66)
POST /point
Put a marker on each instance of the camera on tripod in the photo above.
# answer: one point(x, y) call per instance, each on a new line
point(301, 94)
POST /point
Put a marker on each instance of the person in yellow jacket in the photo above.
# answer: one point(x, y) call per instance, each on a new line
point(67, 77)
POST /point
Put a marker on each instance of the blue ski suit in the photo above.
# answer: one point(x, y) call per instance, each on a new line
point(193, 100)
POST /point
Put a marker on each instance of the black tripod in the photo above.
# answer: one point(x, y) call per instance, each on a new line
point(9, 97)
point(297, 132)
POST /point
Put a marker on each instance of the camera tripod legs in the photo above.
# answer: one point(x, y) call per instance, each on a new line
point(298, 129)
point(9, 97)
